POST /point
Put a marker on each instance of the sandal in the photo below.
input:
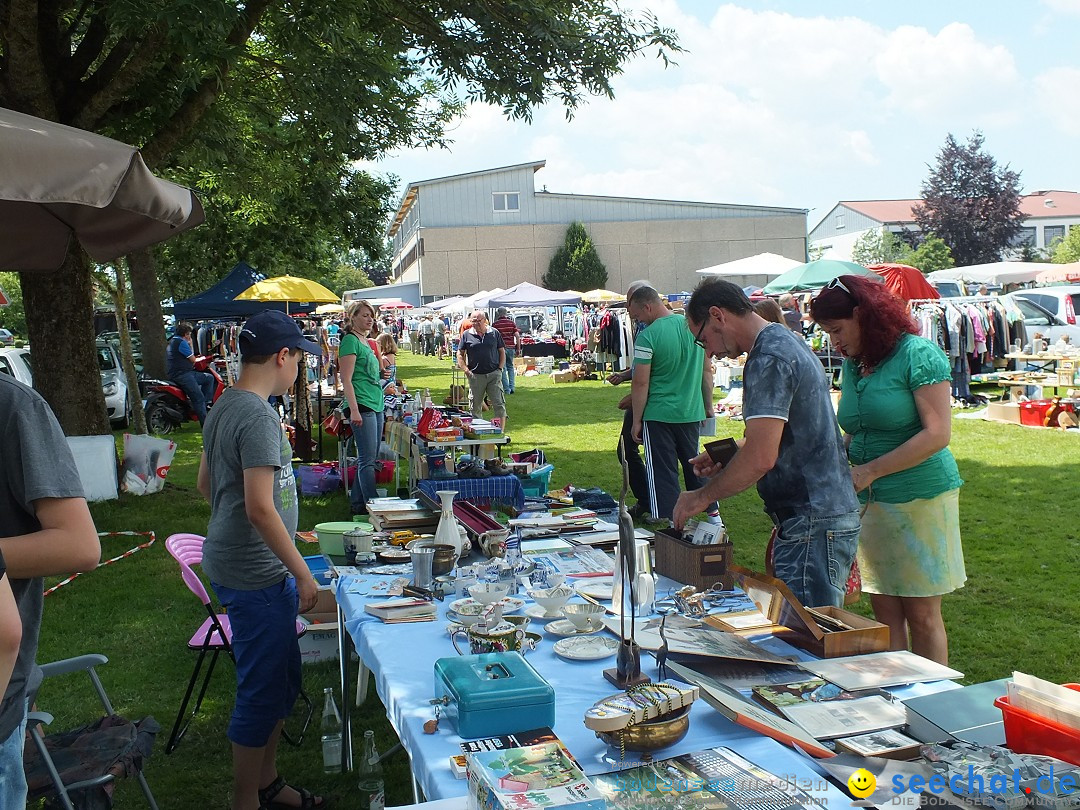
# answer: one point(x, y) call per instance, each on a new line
point(308, 800)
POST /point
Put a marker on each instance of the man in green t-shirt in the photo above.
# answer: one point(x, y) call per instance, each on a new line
point(671, 394)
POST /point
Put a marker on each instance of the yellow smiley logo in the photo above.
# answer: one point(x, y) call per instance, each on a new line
point(861, 783)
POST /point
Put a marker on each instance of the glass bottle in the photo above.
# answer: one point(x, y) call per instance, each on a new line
point(331, 733)
point(372, 795)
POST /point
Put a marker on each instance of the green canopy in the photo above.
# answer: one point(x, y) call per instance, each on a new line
point(815, 275)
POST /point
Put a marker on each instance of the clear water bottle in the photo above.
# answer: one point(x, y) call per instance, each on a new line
point(331, 733)
point(372, 793)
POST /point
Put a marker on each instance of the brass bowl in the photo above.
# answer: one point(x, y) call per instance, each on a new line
point(652, 735)
point(444, 560)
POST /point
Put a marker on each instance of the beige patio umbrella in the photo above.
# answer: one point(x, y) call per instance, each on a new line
point(601, 297)
point(57, 181)
point(329, 309)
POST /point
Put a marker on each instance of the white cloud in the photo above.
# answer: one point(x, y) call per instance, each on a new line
point(1055, 93)
point(1064, 6)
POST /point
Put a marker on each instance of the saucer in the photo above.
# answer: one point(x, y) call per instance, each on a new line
point(537, 612)
point(565, 627)
point(470, 607)
point(589, 648)
point(596, 588)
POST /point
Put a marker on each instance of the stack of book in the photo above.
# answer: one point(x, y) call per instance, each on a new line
point(403, 610)
point(390, 514)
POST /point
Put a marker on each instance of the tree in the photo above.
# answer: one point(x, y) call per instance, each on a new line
point(321, 81)
point(13, 316)
point(931, 254)
point(1063, 251)
point(879, 247)
point(575, 265)
point(970, 202)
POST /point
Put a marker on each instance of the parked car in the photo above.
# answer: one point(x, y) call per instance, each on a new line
point(1038, 319)
point(16, 362)
point(7, 337)
point(1063, 301)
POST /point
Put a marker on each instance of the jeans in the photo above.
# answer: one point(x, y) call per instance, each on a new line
point(813, 555)
point(199, 388)
point(491, 385)
point(508, 372)
point(267, 658)
point(12, 776)
point(366, 437)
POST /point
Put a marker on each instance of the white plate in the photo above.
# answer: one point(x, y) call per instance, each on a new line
point(588, 648)
point(537, 612)
point(565, 627)
point(596, 588)
point(470, 607)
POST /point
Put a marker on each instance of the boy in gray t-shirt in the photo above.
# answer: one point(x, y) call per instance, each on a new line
point(249, 553)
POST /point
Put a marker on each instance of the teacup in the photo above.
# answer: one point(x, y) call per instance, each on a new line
point(502, 637)
point(520, 622)
point(581, 614)
point(487, 592)
point(551, 599)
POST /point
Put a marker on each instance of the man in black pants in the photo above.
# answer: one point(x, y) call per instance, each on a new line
point(628, 448)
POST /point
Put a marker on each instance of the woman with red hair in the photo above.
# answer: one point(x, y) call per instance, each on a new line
point(895, 410)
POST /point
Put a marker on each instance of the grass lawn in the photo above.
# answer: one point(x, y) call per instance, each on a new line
point(1020, 539)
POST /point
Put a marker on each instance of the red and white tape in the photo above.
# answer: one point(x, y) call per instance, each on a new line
point(117, 558)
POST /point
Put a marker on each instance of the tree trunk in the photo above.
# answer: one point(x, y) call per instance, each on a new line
point(144, 287)
point(301, 416)
point(59, 313)
point(127, 354)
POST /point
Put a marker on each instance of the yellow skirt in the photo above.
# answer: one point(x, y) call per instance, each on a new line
point(912, 549)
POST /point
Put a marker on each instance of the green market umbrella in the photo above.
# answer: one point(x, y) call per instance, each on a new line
point(815, 275)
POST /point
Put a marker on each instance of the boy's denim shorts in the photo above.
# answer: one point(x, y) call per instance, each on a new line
point(267, 658)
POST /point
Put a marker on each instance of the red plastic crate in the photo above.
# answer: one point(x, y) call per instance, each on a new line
point(1034, 412)
point(384, 471)
point(1027, 733)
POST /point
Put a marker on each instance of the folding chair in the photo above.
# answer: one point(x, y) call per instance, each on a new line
point(213, 637)
point(79, 766)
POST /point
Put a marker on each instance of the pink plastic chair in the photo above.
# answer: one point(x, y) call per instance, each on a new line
point(213, 637)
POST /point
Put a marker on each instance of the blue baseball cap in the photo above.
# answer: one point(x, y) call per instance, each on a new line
point(269, 332)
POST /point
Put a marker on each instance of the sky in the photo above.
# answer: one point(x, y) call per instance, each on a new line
point(801, 105)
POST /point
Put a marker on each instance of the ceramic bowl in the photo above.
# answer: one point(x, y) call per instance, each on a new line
point(580, 613)
point(551, 599)
point(487, 592)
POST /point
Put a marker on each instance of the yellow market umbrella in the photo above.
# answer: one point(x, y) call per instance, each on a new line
point(289, 288)
point(601, 297)
point(329, 309)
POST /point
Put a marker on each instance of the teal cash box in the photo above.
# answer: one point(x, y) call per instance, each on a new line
point(493, 693)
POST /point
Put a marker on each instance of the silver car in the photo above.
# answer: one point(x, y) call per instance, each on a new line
point(16, 362)
point(1038, 319)
point(113, 385)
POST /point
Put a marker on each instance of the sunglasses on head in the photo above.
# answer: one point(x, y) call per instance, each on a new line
point(837, 284)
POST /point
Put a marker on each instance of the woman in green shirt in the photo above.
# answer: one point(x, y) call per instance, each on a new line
point(360, 373)
point(895, 409)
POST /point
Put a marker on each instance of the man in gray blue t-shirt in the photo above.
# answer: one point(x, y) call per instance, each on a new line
point(792, 449)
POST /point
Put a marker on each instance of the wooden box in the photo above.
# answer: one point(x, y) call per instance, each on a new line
point(1066, 372)
point(701, 566)
point(804, 627)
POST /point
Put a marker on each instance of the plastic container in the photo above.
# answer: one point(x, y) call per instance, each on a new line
point(1034, 412)
point(538, 482)
point(384, 472)
point(1027, 733)
point(330, 537)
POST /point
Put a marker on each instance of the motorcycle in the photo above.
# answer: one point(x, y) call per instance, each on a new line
point(167, 406)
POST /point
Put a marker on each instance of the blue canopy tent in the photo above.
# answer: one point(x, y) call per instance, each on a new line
point(218, 301)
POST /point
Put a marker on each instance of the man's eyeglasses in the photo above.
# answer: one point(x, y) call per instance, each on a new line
point(697, 338)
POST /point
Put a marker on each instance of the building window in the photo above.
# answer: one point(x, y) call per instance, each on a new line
point(839, 221)
point(505, 201)
point(1052, 232)
point(1024, 236)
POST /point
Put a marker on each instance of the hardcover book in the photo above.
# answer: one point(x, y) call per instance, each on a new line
point(398, 611)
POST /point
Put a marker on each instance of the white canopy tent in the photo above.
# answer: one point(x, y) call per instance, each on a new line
point(446, 303)
point(993, 273)
point(763, 264)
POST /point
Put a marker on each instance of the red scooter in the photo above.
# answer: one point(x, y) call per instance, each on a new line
point(167, 406)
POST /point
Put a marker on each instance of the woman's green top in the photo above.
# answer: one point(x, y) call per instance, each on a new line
point(880, 414)
point(365, 376)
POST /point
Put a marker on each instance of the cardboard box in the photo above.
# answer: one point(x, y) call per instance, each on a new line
point(563, 376)
point(320, 642)
point(796, 625)
point(966, 714)
point(1004, 412)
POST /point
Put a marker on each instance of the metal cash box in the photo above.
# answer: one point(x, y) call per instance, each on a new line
point(493, 693)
